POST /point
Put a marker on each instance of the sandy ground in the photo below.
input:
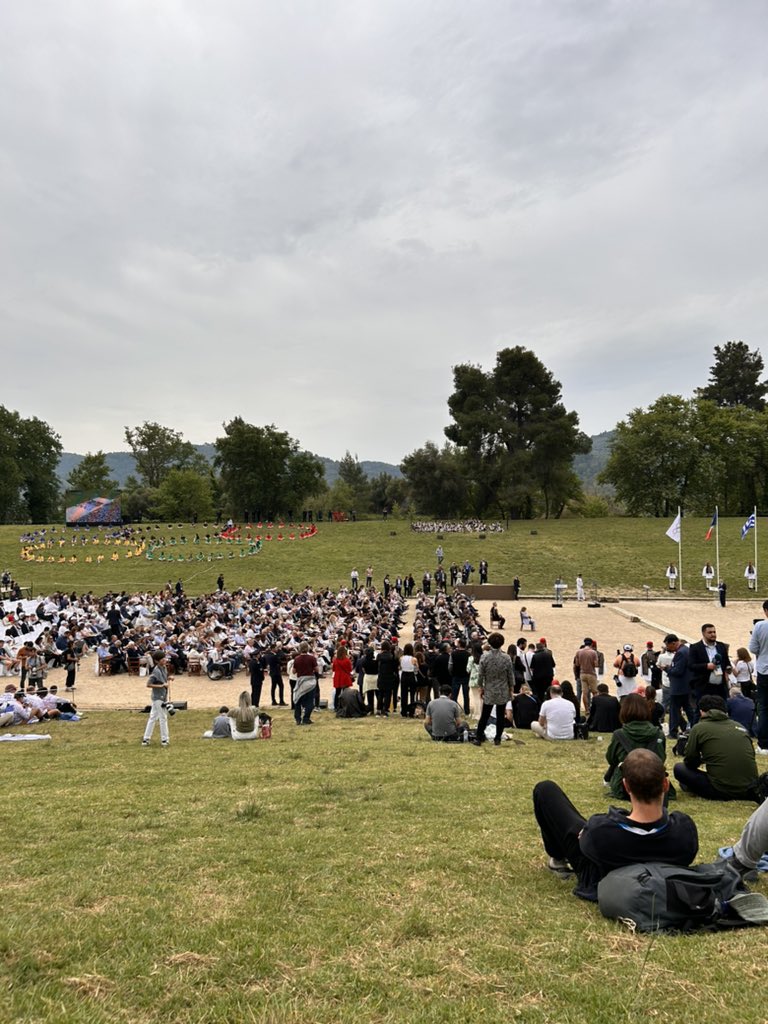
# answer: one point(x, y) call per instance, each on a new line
point(565, 628)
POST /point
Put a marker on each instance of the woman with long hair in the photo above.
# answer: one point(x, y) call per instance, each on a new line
point(244, 723)
point(408, 666)
point(342, 672)
point(742, 672)
point(370, 679)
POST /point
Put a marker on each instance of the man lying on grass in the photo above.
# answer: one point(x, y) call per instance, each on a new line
point(646, 832)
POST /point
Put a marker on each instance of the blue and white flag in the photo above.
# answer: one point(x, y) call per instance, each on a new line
point(748, 526)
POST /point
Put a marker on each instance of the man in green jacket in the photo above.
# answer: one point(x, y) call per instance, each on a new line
point(724, 748)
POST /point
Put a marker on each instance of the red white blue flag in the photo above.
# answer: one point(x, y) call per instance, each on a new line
point(712, 525)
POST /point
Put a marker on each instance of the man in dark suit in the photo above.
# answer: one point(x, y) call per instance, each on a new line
point(709, 665)
point(679, 675)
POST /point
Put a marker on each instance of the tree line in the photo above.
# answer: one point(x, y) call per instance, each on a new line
point(508, 453)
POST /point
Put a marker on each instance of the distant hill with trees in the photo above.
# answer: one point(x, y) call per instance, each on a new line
point(122, 465)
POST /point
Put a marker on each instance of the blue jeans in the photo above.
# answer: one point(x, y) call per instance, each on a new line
point(762, 711)
point(302, 709)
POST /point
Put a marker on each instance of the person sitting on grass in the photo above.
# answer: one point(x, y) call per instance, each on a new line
point(556, 717)
point(243, 722)
point(644, 833)
point(443, 718)
point(725, 749)
point(637, 731)
point(751, 848)
point(222, 726)
point(603, 711)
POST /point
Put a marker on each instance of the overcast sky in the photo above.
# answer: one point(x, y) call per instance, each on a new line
point(306, 213)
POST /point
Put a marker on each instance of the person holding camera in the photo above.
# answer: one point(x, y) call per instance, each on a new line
point(158, 681)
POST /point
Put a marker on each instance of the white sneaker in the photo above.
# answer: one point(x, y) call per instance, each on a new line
point(559, 867)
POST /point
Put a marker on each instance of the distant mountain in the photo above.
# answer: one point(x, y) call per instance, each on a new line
point(122, 465)
point(588, 467)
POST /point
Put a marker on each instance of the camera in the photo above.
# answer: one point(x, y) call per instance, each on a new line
point(168, 705)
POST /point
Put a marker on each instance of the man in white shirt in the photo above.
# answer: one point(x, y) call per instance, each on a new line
point(556, 717)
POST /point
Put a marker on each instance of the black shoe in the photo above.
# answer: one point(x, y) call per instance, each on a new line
point(497, 742)
point(282, 704)
point(477, 741)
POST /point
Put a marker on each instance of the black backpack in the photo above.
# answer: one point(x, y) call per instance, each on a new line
point(628, 667)
point(667, 897)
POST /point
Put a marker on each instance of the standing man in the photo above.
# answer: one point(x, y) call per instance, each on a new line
point(158, 681)
point(483, 570)
point(585, 661)
point(516, 587)
point(454, 574)
point(671, 575)
point(758, 644)
point(439, 553)
point(750, 575)
point(580, 588)
point(709, 664)
point(708, 574)
point(306, 670)
point(496, 679)
point(355, 578)
point(679, 676)
point(369, 577)
point(458, 664)
point(542, 671)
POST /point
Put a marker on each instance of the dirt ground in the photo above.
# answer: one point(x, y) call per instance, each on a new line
point(611, 625)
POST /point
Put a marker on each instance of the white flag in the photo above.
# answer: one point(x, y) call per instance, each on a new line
point(674, 531)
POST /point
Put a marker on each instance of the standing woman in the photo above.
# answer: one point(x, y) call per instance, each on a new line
point(387, 679)
point(408, 666)
point(475, 700)
point(71, 661)
point(496, 676)
point(742, 672)
point(422, 674)
point(342, 672)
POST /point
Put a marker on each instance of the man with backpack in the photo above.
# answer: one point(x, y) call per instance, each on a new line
point(591, 848)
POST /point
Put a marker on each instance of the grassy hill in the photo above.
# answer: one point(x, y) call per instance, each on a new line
point(617, 554)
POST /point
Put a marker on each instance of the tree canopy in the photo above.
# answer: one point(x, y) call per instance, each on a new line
point(516, 436)
point(692, 453)
point(29, 454)
point(92, 475)
point(157, 450)
point(263, 472)
point(734, 378)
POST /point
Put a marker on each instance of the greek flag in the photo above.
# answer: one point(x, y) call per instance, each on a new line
point(748, 526)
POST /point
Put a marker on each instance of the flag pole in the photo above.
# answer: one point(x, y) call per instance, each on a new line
point(755, 515)
point(680, 549)
point(717, 543)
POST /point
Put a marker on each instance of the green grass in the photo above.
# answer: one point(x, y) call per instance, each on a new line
point(352, 872)
point(619, 554)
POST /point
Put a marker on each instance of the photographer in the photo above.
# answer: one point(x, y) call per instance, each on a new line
point(158, 681)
